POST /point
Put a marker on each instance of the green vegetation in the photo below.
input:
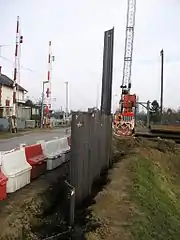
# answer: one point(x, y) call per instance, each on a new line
point(156, 192)
point(8, 135)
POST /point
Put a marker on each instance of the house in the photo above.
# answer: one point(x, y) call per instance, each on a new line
point(6, 98)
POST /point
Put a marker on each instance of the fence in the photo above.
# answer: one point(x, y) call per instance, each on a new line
point(91, 135)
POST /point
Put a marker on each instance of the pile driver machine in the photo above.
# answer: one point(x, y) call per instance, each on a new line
point(124, 121)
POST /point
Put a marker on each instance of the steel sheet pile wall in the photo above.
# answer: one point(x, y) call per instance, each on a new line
point(107, 72)
point(90, 150)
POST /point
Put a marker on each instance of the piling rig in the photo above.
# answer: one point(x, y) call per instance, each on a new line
point(124, 121)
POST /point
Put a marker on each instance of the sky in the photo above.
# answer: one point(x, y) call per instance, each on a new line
point(76, 29)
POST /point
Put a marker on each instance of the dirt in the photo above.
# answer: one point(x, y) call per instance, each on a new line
point(121, 209)
point(24, 210)
point(136, 200)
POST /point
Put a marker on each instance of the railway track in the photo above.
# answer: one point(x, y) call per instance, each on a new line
point(175, 136)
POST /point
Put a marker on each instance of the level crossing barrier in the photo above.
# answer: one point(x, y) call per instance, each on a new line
point(36, 158)
point(15, 167)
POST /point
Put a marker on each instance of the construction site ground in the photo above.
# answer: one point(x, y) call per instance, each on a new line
point(23, 214)
point(141, 197)
point(137, 200)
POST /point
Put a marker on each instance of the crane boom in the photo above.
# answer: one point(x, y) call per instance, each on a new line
point(126, 82)
point(125, 118)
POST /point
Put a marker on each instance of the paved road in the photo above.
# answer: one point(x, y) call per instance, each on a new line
point(30, 138)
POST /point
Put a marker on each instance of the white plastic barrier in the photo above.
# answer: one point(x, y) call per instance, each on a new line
point(55, 151)
point(52, 151)
point(16, 168)
point(5, 152)
point(52, 148)
point(64, 146)
point(54, 163)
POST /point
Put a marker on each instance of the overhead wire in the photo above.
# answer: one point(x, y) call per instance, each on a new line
point(22, 67)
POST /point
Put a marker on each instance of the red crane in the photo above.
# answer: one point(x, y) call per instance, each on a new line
point(125, 118)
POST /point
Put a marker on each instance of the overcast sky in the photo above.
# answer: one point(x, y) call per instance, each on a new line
point(76, 29)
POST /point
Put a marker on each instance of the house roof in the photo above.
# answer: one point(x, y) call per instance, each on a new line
point(6, 81)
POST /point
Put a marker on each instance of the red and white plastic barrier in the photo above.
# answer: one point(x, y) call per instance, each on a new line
point(19, 165)
point(3, 186)
point(36, 158)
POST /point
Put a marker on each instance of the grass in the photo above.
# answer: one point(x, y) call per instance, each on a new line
point(141, 200)
point(8, 135)
point(156, 194)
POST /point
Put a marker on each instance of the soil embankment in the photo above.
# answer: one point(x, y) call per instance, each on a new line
point(141, 199)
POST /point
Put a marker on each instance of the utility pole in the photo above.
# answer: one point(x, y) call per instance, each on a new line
point(66, 100)
point(148, 114)
point(162, 82)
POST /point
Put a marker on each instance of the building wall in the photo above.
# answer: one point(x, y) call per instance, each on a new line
point(20, 96)
point(35, 111)
point(23, 113)
point(7, 94)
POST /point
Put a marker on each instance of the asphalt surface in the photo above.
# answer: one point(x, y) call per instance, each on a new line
point(32, 137)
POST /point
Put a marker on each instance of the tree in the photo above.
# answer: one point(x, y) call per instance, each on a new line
point(155, 106)
point(29, 103)
point(155, 111)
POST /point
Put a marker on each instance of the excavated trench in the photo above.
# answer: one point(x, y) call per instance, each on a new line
point(41, 210)
point(56, 227)
point(88, 221)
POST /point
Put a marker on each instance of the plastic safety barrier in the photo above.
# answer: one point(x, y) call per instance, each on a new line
point(36, 158)
point(54, 163)
point(69, 140)
point(5, 152)
point(52, 149)
point(64, 146)
point(16, 169)
point(3, 186)
point(53, 152)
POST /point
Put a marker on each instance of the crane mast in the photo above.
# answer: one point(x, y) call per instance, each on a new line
point(125, 118)
point(126, 81)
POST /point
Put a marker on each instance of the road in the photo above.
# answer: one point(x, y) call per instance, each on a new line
point(30, 138)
